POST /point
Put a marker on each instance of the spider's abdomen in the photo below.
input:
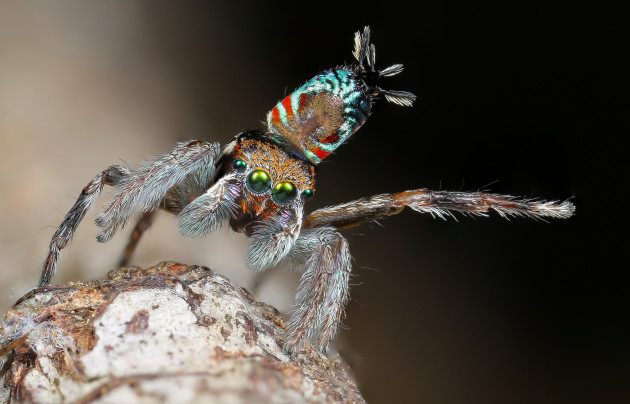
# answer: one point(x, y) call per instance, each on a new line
point(322, 114)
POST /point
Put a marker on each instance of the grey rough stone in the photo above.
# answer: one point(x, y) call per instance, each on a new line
point(168, 334)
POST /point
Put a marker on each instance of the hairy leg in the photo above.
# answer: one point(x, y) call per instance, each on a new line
point(146, 187)
point(207, 212)
point(323, 291)
point(437, 203)
point(111, 176)
point(143, 224)
point(173, 202)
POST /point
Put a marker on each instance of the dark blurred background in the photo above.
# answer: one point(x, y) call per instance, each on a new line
point(518, 99)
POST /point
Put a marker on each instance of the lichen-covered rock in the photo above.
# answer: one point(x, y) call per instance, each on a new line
point(168, 334)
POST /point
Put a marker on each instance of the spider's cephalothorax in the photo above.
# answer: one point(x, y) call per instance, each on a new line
point(261, 191)
point(259, 183)
point(273, 183)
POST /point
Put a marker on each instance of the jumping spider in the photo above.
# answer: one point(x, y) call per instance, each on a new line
point(260, 182)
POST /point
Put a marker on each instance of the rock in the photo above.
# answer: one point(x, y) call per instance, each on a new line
point(168, 334)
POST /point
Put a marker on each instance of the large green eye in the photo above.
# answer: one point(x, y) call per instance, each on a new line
point(258, 181)
point(239, 166)
point(284, 192)
point(307, 195)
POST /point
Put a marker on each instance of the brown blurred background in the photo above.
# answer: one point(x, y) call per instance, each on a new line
point(520, 97)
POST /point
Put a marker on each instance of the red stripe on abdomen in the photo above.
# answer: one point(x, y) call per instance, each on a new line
point(334, 138)
point(286, 103)
point(275, 115)
point(321, 153)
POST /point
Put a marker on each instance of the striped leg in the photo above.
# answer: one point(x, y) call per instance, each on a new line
point(111, 176)
point(324, 252)
point(437, 203)
point(323, 292)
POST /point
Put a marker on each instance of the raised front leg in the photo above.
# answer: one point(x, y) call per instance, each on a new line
point(437, 203)
point(323, 292)
point(324, 252)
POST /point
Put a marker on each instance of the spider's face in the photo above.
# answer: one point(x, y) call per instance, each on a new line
point(272, 181)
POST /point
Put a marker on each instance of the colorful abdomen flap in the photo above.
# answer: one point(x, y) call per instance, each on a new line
point(319, 116)
point(322, 114)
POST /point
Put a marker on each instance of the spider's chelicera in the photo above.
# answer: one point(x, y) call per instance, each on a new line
point(260, 182)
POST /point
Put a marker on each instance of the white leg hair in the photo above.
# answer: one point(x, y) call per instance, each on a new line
point(207, 212)
point(440, 204)
point(323, 291)
point(145, 188)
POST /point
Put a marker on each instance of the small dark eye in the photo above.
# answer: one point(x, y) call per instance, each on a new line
point(307, 195)
point(258, 181)
point(284, 192)
point(239, 166)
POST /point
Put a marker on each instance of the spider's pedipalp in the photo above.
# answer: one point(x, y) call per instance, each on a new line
point(111, 176)
point(272, 240)
point(323, 291)
point(207, 212)
point(144, 189)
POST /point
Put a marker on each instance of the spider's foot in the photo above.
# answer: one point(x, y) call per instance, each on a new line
point(296, 340)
